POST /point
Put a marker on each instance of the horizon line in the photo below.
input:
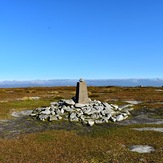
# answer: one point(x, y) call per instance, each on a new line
point(79, 78)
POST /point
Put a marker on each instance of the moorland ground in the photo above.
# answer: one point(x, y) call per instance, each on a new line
point(25, 139)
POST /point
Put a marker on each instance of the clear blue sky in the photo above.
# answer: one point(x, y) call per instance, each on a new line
point(69, 39)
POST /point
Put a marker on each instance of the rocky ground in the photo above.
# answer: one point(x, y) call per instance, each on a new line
point(22, 123)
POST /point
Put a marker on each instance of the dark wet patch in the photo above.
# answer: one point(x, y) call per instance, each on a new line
point(141, 119)
point(27, 125)
point(151, 112)
point(144, 116)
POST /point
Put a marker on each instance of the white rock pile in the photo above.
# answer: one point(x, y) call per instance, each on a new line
point(94, 112)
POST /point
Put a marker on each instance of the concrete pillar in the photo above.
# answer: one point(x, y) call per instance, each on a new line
point(81, 92)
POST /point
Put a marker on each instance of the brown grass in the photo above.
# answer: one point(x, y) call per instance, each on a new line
point(101, 143)
point(68, 146)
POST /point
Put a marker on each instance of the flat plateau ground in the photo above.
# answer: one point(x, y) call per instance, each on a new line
point(63, 141)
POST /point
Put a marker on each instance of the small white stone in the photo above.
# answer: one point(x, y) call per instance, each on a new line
point(79, 114)
point(114, 106)
point(98, 121)
point(33, 114)
point(105, 119)
point(127, 112)
point(74, 119)
point(119, 117)
point(69, 102)
point(99, 102)
point(133, 102)
point(142, 149)
point(43, 117)
point(72, 115)
point(91, 122)
point(108, 116)
point(113, 119)
point(46, 111)
point(62, 111)
point(79, 105)
point(52, 113)
point(125, 117)
point(82, 118)
point(94, 116)
point(106, 105)
point(59, 117)
point(53, 118)
point(64, 107)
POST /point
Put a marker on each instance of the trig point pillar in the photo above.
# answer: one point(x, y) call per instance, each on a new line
point(81, 92)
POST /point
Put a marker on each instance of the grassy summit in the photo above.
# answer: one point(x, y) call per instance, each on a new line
point(72, 142)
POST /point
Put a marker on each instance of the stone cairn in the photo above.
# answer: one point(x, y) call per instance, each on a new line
point(82, 109)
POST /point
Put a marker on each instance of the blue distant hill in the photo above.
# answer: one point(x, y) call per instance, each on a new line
point(93, 82)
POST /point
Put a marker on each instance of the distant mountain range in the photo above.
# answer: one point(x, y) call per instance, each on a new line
point(157, 82)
